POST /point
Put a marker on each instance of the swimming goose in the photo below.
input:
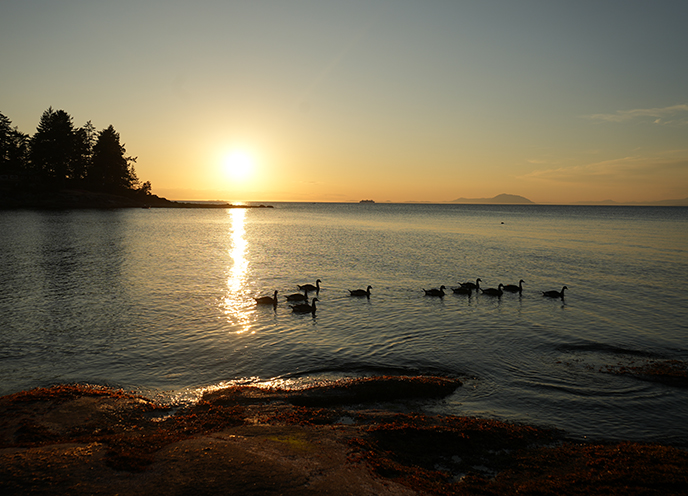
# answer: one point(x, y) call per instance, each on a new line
point(305, 307)
point(512, 288)
point(472, 285)
point(361, 292)
point(555, 294)
point(435, 292)
point(267, 300)
point(462, 290)
point(309, 287)
point(493, 291)
point(296, 297)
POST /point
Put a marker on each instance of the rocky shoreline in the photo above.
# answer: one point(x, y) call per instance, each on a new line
point(338, 438)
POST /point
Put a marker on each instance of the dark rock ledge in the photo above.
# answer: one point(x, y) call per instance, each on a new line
point(337, 439)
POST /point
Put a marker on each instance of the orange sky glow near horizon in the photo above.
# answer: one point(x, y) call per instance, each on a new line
point(399, 101)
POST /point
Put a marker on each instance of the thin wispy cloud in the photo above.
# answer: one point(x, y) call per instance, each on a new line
point(675, 114)
point(626, 169)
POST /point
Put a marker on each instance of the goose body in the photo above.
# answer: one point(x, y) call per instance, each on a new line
point(296, 297)
point(435, 292)
point(267, 300)
point(309, 287)
point(493, 291)
point(512, 288)
point(304, 307)
point(472, 285)
point(361, 292)
point(555, 294)
point(462, 290)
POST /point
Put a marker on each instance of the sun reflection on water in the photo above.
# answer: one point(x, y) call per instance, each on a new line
point(237, 309)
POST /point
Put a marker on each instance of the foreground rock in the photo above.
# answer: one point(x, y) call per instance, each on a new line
point(325, 440)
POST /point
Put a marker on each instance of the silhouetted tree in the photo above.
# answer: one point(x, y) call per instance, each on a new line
point(111, 170)
point(59, 155)
point(54, 147)
point(146, 188)
point(14, 146)
point(85, 139)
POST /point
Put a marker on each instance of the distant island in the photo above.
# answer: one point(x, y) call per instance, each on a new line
point(500, 199)
point(367, 201)
point(661, 203)
point(505, 199)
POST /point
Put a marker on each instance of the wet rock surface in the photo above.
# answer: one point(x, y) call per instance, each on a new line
point(335, 439)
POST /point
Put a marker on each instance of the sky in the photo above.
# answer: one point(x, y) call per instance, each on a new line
point(391, 100)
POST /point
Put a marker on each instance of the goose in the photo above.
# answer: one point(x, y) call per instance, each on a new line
point(555, 294)
point(296, 297)
point(493, 291)
point(305, 307)
point(267, 300)
point(435, 292)
point(309, 287)
point(361, 292)
point(472, 285)
point(462, 290)
point(512, 288)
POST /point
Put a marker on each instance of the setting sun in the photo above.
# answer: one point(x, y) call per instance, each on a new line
point(238, 165)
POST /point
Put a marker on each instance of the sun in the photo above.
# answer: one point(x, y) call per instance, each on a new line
point(238, 165)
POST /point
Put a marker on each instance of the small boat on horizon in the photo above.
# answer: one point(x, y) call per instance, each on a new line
point(367, 201)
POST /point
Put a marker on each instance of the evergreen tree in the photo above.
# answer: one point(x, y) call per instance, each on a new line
point(111, 170)
point(85, 139)
point(54, 147)
point(13, 147)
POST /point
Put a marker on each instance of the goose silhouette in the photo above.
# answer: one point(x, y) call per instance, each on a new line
point(512, 288)
point(493, 291)
point(309, 287)
point(361, 292)
point(305, 307)
point(296, 297)
point(462, 290)
point(472, 285)
point(555, 294)
point(267, 300)
point(435, 292)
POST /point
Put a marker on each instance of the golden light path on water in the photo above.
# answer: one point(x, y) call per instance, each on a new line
point(236, 308)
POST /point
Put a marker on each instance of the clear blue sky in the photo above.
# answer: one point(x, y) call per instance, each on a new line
point(558, 101)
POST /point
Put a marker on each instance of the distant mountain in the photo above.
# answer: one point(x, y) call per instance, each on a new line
point(503, 198)
point(661, 203)
point(673, 203)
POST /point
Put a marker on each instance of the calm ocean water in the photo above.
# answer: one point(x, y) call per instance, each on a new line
point(161, 301)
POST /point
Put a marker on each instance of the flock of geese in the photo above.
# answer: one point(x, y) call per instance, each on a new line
point(301, 299)
point(468, 287)
point(465, 288)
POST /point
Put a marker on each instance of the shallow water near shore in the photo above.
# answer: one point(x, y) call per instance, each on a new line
point(161, 301)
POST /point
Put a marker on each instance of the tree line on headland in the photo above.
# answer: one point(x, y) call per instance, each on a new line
point(60, 156)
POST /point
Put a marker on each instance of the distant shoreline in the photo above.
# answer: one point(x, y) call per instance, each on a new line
point(80, 199)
